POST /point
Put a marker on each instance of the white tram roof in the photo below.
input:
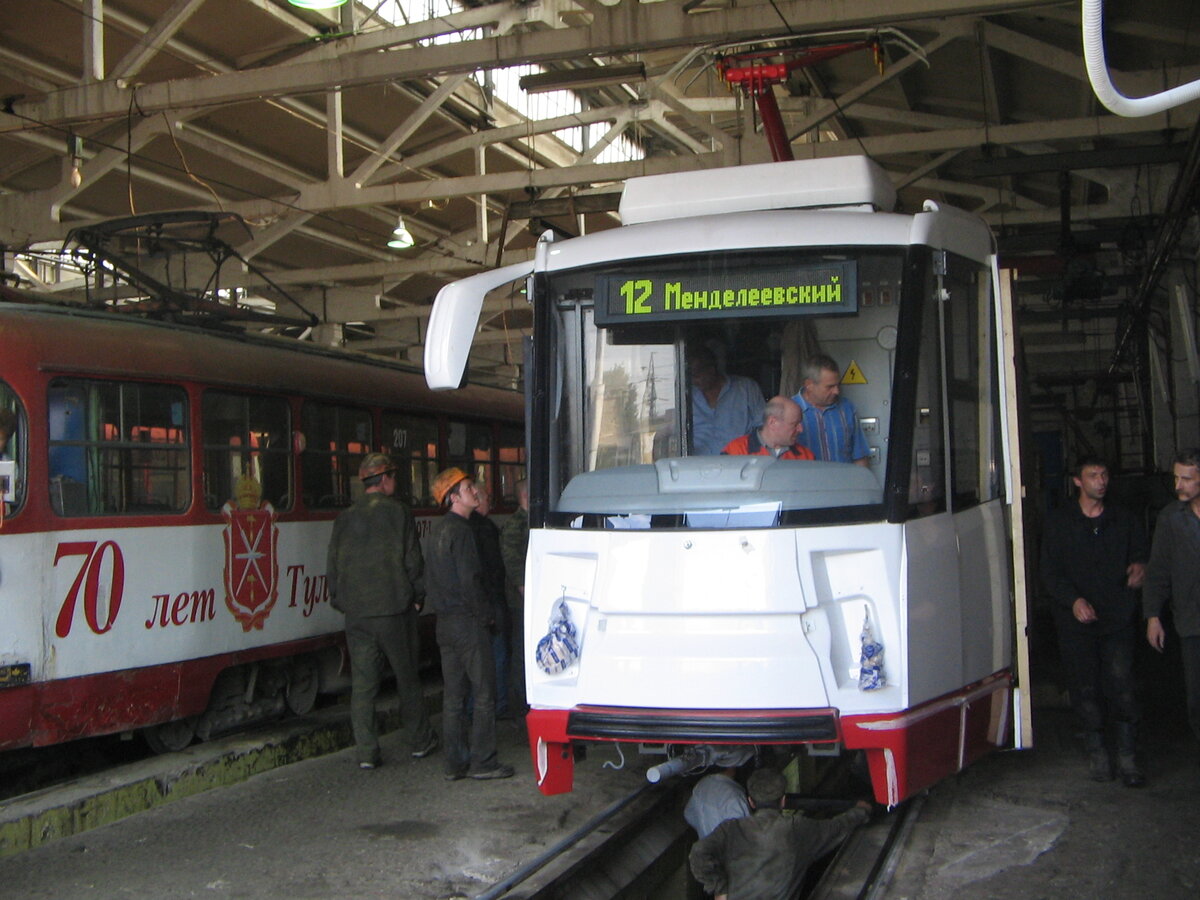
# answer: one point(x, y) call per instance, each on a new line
point(843, 201)
point(803, 203)
point(847, 181)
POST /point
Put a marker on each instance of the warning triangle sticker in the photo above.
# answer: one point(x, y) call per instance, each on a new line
point(854, 375)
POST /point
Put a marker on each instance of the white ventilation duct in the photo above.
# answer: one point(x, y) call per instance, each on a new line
point(1097, 69)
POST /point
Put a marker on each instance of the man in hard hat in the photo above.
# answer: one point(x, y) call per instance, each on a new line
point(459, 596)
point(375, 578)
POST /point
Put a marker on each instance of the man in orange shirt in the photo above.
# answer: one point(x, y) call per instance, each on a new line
point(782, 424)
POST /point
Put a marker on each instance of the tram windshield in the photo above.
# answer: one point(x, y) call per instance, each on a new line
point(660, 363)
point(673, 359)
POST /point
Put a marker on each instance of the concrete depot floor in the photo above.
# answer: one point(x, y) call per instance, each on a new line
point(1016, 825)
point(319, 828)
point(1030, 825)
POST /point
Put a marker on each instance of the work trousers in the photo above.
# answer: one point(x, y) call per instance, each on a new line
point(375, 642)
point(501, 640)
point(1099, 672)
point(467, 671)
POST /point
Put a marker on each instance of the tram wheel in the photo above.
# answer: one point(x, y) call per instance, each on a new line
point(304, 678)
point(169, 737)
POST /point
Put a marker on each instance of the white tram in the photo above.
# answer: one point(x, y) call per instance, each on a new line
point(170, 496)
point(721, 600)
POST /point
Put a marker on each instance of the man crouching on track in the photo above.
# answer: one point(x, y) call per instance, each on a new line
point(765, 855)
point(458, 595)
point(374, 574)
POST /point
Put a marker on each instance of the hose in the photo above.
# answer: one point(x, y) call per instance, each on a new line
point(1097, 69)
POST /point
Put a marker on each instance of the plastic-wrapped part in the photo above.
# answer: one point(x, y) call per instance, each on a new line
point(559, 647)
point(870, 673)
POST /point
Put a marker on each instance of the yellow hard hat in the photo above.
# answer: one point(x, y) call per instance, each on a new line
point(445, 482)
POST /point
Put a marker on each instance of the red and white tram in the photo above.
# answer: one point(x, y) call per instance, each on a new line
point(719, 601)
point(170, 498)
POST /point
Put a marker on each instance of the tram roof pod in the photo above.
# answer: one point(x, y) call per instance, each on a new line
point(846, 182)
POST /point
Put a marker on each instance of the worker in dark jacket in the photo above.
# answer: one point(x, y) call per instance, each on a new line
point(1093, 558)
point(778, 435)
point(1173, 576)
point(487, 540)
point(374, 570)
point(459, 595)
point(765, 855)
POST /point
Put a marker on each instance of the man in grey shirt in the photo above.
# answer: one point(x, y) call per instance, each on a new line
point(765, 856)
point(1173, 576)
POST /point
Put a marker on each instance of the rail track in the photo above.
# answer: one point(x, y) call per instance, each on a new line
point(637, 850)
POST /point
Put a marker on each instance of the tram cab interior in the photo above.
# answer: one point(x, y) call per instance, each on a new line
point(628, 400)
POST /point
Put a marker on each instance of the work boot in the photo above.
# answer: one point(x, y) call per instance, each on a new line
point(1127, 766)
point(1099, 765)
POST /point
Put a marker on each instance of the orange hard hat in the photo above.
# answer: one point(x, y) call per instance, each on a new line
point(445, 482)
point(375, 464)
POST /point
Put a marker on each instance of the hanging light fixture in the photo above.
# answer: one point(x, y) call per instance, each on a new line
point(402, 238)
point(317, 4)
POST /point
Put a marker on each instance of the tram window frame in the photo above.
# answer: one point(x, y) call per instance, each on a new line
point(927, 476)
point(350, 438)
point(219, 450)
point(99, 457)
point(15, 451)
point(461, 450)
point(412, 440)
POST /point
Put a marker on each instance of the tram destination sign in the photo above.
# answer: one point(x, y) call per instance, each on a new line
point(663, 296)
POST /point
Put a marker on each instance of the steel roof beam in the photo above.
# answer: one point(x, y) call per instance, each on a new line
point(613, 30)
point(155, 39)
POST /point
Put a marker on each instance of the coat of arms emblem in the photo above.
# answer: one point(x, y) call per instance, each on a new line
point(251, 555)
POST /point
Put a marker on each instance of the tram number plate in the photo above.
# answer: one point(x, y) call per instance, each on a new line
point(14, 675)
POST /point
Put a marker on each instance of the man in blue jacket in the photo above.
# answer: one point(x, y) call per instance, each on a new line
point(831, 429)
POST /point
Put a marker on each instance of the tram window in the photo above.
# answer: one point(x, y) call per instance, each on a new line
point(632, 406)
point(117, 447)
point(246, 436)
point(512, 463)
point(12, 450)
point(469, 446)
point(336, 440)
point(971, 384)
point(413, 443)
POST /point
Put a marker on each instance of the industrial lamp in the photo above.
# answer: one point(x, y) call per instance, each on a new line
point(582, 78)
point(402, 238)
point(317, 4)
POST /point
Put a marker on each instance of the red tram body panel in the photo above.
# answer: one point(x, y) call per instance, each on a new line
point(162, 549)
